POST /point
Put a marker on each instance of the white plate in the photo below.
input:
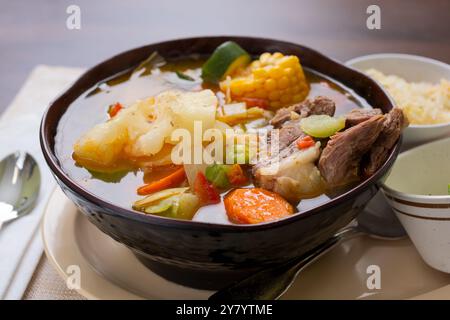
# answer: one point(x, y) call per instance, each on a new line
point(110, 271)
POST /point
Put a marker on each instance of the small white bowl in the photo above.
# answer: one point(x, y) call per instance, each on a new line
point(414, 69)
point(417, 190)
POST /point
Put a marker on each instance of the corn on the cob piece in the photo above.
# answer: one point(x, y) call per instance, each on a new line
point(275, 77)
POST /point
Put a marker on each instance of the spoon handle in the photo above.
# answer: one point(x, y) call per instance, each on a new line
point(271, 283)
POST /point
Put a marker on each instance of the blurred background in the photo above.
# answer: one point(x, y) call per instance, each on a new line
point(35, 32)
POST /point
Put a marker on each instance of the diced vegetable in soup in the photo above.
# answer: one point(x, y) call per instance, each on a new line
point(233, 137)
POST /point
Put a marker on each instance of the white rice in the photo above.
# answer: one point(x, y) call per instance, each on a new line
point(422, 102)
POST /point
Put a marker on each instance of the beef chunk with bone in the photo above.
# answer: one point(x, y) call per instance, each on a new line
point(356, 116)
point(287, 120)
point(318, 105)
point(393, 125)
point(340, 161)
point(292, 172)
point(364, 147)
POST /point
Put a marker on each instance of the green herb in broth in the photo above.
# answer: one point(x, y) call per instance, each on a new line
point(154, 61)
point(112, 177)
point(183, 76)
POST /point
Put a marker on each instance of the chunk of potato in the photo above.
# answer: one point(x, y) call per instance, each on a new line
point(294, 177)
point(142, 129)
point(104, 143)
point(176, 109)
point(194, 106)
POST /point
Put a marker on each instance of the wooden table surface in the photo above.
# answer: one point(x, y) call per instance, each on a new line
point(35, 32)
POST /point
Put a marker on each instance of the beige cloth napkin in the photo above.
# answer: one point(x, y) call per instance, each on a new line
point(20, 242)
point(47, 284)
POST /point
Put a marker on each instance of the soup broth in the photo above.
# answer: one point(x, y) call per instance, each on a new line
point(91, 109)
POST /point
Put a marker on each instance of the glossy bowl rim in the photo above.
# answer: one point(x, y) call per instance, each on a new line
point(126, 213)
point(410, 57)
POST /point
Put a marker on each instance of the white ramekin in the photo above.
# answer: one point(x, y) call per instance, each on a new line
point(417, 190)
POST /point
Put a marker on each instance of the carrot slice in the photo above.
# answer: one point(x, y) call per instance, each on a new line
point(172, 180)
point(255, 205)
point(236, 175)
point(114, 109)
point(305, 142)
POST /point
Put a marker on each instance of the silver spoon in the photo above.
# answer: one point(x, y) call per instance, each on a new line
point(20, 180)
point(376, 220)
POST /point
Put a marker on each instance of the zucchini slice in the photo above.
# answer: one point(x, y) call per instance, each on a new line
point(322, 126)
point(225, 59)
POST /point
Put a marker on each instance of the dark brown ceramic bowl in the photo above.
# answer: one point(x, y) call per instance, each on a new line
point(208, 255)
